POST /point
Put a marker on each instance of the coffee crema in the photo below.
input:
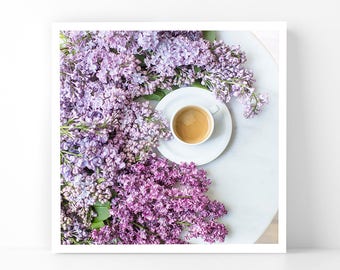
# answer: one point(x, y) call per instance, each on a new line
point(192, 124)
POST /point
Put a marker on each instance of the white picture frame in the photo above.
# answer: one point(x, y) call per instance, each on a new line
point(280, 247)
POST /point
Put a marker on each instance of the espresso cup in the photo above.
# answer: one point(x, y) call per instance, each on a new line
point(193, 124)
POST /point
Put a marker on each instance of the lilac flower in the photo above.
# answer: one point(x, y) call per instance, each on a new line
point(147, 40)
point(93, 154)
point(227, 77)
point(106, 134)
point(156, 200)
point(72, 229)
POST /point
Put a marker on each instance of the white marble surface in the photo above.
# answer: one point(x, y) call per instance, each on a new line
point(270, 40)
point(245, 176)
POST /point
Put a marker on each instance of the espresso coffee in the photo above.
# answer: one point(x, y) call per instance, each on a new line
point(192, 124)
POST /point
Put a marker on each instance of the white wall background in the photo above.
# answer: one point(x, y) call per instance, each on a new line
point(313, 105)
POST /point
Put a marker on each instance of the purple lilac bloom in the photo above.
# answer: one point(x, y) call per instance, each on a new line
point(94, 152)
point(156, 201)
point(227, 77)
point(73, 229)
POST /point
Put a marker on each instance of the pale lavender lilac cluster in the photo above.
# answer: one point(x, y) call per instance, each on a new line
point(141, 62)
point(108, 136)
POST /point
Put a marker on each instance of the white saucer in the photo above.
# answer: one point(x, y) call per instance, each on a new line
point(203, 153)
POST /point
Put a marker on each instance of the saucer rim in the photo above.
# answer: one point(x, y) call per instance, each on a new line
point(227, 115)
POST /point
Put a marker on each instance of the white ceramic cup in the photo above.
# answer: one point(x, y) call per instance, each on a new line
point(209, 111)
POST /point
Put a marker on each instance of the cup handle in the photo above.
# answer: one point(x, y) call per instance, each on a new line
point(213, 109)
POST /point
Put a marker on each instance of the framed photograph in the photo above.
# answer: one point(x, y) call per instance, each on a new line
point(169, 137)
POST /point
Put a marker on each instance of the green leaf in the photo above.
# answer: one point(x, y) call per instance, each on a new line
point(184, 223)
point(175, 87)
point(100, 180)
point(140, 57)
point(70, 121)
point(209, 35)
point(99, 204)
point(102, 210)
point(152, 97)
point(157, 95)
point(97, 225)
point(165, 91)
point(197, 69)
point(199, 85)
point(62, 37)
point(104, 215)
point(160, 93)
